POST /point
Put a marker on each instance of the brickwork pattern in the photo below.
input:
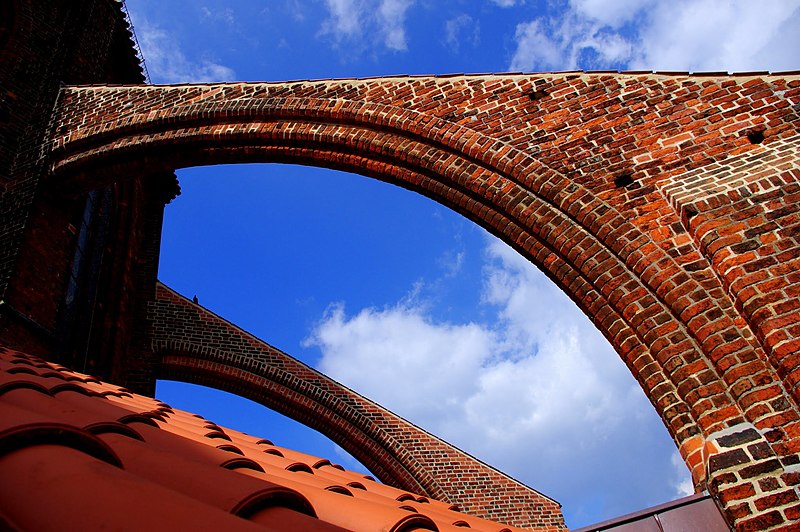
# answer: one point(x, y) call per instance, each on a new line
point(748, 478)
point(46, 44)
point(745, 215)
point(195, 345)
point(578, 172)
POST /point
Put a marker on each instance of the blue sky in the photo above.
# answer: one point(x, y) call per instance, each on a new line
point(379, 287)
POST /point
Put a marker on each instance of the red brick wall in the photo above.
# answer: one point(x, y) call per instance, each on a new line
point(664, 205)
point(195, 345)
point(45, 44)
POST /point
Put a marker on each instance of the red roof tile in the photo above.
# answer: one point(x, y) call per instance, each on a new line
point(82, 454)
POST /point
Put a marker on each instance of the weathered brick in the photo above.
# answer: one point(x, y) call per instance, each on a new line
point(761, 468)
point(776, 499)
point(793, 513)
point(725, 460)
point(742, 491)
point(760, 450)
point(761, 522)
point(738, 438)
point(769, 484)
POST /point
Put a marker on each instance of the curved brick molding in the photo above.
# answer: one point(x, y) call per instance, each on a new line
point(744, 213)
point(195, 345)
point(620, 187)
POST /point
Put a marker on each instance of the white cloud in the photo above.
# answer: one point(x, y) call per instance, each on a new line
point(721, 35)
point(538, 392)
point(401, 345)
point(681, 482)
point(461, 28)
point(297, 10)
point(537, 49)
point(392, 15)
point(451, 261)
point(167, 63)
point(352, 21)
point(610, 12)
point(695, 35)
point(345, 18)
point(566, 43)
point(508, 3)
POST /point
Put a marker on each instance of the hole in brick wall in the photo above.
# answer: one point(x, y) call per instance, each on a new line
point(536, 95)
point(755, 135)
point(623, 180)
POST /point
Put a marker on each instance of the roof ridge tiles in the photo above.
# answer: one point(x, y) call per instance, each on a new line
point(7, 387)
point(242, 463)
point(269, 497)
point(71, 386)
point(120, 499)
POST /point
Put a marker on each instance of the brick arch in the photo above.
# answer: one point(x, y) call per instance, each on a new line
point(464, 169)
point(194, 345)
point(279, 391)
point(666, 311)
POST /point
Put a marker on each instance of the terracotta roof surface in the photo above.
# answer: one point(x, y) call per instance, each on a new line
point(77, 453)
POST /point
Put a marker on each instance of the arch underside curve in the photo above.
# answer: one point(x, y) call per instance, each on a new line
point(539, 213)
point(274, 392)
point(652, 309)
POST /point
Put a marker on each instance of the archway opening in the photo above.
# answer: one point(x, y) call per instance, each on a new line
point(419, 309)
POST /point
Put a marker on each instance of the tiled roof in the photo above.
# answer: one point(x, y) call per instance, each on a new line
point(77, 453)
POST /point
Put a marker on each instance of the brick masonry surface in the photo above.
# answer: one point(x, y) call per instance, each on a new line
point(43, 45)
point(664, 205)
point(195, 345)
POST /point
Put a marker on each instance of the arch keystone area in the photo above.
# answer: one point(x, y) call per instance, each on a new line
point(666, 206)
